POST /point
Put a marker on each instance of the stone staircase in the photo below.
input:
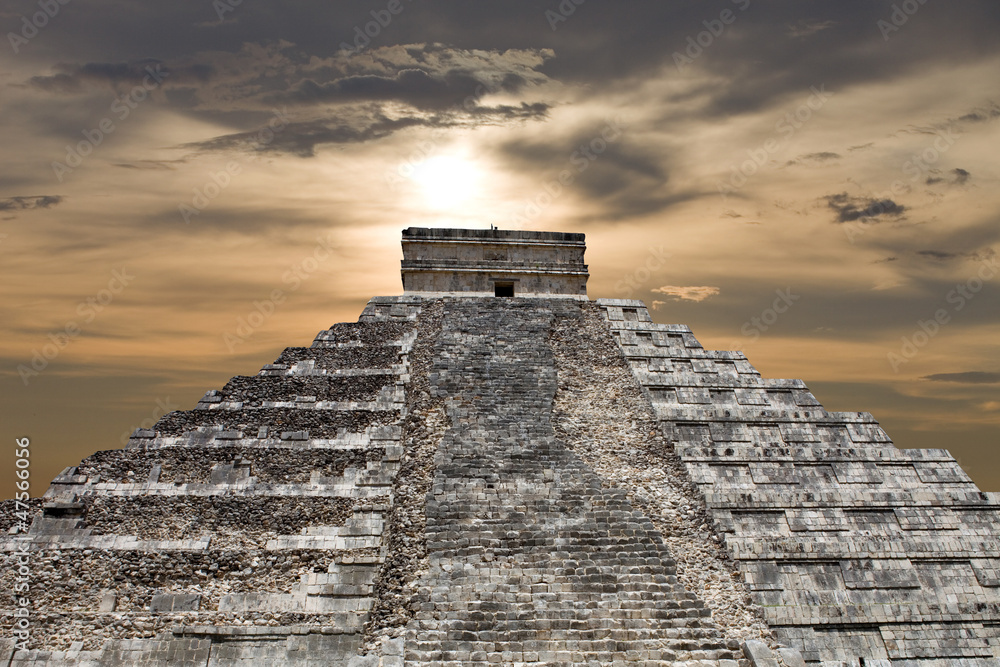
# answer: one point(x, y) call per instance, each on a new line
point(854, 549)
point(249, 529)
point(532, 559)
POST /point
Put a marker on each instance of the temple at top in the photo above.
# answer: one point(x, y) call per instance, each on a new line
point(493, 262)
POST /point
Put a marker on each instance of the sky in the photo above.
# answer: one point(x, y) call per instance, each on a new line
point(186, 188)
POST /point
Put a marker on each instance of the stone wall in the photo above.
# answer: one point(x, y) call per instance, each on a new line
point(470, 262)
point(853, 549)
point(250, 529)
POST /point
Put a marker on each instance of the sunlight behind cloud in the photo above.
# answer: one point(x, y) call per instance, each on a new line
point(447, 183)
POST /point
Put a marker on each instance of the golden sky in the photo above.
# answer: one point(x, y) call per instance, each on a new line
point(186, 189)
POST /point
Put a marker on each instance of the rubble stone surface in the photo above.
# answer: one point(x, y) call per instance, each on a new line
point(601, 414)
point(853, 549)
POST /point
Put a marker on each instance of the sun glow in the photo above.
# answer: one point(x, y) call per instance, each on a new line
point(447, 182)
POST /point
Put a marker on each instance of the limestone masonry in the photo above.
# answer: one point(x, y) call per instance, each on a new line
point(493, 470)
point(481, 262)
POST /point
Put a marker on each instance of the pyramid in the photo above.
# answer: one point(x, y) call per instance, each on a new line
point(491, 469)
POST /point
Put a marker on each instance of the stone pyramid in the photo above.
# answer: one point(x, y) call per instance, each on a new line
point(490, 469)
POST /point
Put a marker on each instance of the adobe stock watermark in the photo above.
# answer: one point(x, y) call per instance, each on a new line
point(222, 179)
point(22, 577)
point(382, 18)
point(956, 299)
point(917, 166)
point(88, 309)
point(30, 27)
point(293, 278)
point(752, 329)
point(579, 161)
point(163, 407)
point(900, 14)
point(223, 7)
point(785, 128)
point(562, 12)
point(22, 470)
point(628, 286)
point(122, 108)
point(696, 44)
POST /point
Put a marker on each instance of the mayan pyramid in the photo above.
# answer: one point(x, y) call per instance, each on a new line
point(491, 469)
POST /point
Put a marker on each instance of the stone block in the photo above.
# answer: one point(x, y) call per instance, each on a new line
point(168, 602)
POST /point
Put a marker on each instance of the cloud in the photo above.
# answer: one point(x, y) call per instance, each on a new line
point(341, 98)
point(937, 254)
point(823, 156)
point(959, 177)
point(29, 203)
point(695, 293)
point(411, 86)
point(982, 114)
point(850, 208)
point(820, 157)
point(968, 377)
point(157, 165)
point(942, 255)
point(808, 27)
point(621, 177)
point(302, 138)
point(72, 79)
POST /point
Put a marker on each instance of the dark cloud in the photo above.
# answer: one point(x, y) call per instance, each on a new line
point(343, 98)
point(958, 177)
point(982, 115)
point(782, 67)
point(507, 112)
point(415, 87)
point(72, 78)
point(805, 28)
point(158, 165)
point(302, 138)
point(771, 51)
point(822, 156)
point(850, 208)
point(412, 86)
point(938, 254)
point(608, 168)
point(771, 54)
point(29, 203)
point(968, 377)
